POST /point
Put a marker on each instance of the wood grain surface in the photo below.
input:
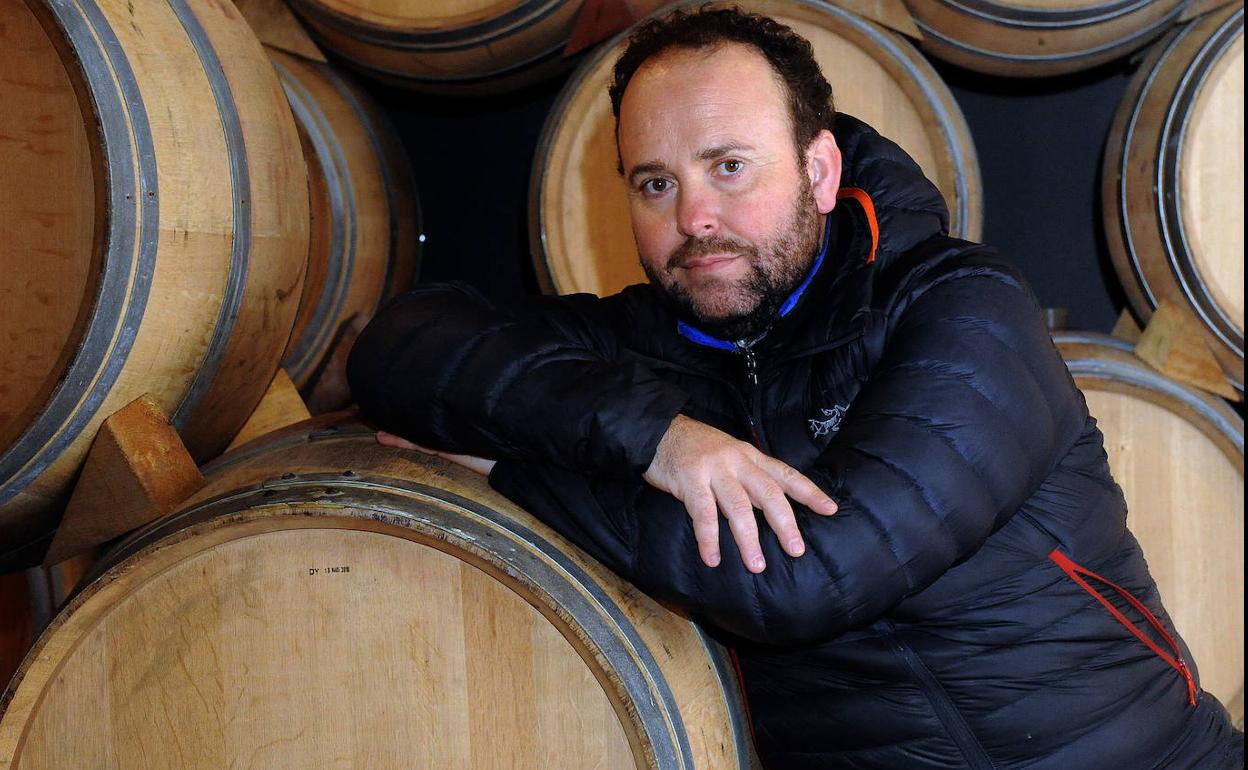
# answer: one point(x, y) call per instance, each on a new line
point(364, 607)
point(188, 231)
point(1172, 182)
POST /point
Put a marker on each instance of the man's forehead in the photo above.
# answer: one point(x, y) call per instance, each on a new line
point(715, 84)
point(726, 63)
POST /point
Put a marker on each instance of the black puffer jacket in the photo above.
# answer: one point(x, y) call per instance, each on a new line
point(943, 619)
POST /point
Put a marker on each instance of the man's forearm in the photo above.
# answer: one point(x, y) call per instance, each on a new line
point(447, 370)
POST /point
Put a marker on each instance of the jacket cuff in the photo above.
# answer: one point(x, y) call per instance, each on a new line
point(636, 436)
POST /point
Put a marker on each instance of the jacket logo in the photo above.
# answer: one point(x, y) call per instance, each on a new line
point(830, 423)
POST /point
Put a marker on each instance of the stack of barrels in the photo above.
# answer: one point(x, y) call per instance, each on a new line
point(169, 219)
point(190, 210)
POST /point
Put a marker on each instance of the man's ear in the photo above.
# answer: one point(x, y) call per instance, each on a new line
point(823, 164)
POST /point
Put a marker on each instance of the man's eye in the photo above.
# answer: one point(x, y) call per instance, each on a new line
point(731, 166)
point(655, 186)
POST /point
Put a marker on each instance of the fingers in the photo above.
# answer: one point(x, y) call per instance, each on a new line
point(389, 439)
point(767, 486)
point(736, 505)
point(478, 464)
point(712, 472)
point(769, 496)
point(704, 515)
point(802, 489)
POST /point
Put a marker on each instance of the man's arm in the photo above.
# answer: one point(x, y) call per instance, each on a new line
point(965, 415)
point(443, 368)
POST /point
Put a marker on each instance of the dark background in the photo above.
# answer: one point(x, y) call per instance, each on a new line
point(1040, 144)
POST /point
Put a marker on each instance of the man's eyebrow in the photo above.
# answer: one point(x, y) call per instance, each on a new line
point(649, 167)
point(720, 150)
point(710, 153)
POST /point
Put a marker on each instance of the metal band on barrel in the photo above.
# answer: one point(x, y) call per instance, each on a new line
point(240, 183)
point(129, 256)
point(342, 241)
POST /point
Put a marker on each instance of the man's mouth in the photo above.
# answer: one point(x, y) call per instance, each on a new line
point(709, 261)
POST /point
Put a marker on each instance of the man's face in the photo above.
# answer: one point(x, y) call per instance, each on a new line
point(722, 207)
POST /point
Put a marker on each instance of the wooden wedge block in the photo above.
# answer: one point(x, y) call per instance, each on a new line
point(275, 25)
point(1174, 343)
point(137, 471)
point(281, 406)
point(1125, 328)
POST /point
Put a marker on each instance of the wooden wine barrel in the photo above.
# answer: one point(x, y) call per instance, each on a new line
point(328, 597)
point(365, 218)
point(578, 208)
point(446, 46)
point(153, 210)
point(1173, 182)
point(1039, 38)
point(1178, 455)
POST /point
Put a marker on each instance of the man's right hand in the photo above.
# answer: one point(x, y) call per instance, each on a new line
point(712, 472)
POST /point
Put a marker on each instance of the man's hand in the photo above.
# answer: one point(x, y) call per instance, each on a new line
point(712, 472)
point(478, 464)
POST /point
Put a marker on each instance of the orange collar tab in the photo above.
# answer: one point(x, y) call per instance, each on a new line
point(864, 200)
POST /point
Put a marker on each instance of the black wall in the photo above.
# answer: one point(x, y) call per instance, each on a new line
point(1040, 144)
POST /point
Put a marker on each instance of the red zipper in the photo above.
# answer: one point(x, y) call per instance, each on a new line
point(1077, 573)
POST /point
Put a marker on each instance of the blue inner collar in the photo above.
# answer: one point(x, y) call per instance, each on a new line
point(702, 338)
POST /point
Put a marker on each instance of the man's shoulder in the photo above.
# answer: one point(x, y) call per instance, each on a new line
point(902, 277)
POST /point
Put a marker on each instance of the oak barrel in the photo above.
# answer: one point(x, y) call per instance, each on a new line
point(153, 208)
point(1173, 182)
point(1178, 455)
point(328, 597)
point(1039, 38)
point(446, 46)
point(365, 228)
point(581, 239)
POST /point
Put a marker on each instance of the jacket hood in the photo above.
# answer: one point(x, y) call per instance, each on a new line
point(908, 206)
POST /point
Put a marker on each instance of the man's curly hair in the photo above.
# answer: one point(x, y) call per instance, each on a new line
point(708, 27)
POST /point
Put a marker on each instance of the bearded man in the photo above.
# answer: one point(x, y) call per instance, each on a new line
point(811, 334)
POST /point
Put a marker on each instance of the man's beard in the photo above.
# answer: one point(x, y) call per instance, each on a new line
point(742, 309)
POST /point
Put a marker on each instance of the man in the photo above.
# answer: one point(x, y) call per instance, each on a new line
point(810, 330)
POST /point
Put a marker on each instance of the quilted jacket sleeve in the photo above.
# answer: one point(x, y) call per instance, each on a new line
point(446, 369)
point(965, 414)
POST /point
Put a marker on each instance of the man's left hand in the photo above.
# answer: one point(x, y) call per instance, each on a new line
point(478, 464)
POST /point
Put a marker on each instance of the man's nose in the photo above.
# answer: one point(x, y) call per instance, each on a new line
point(697, 212)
